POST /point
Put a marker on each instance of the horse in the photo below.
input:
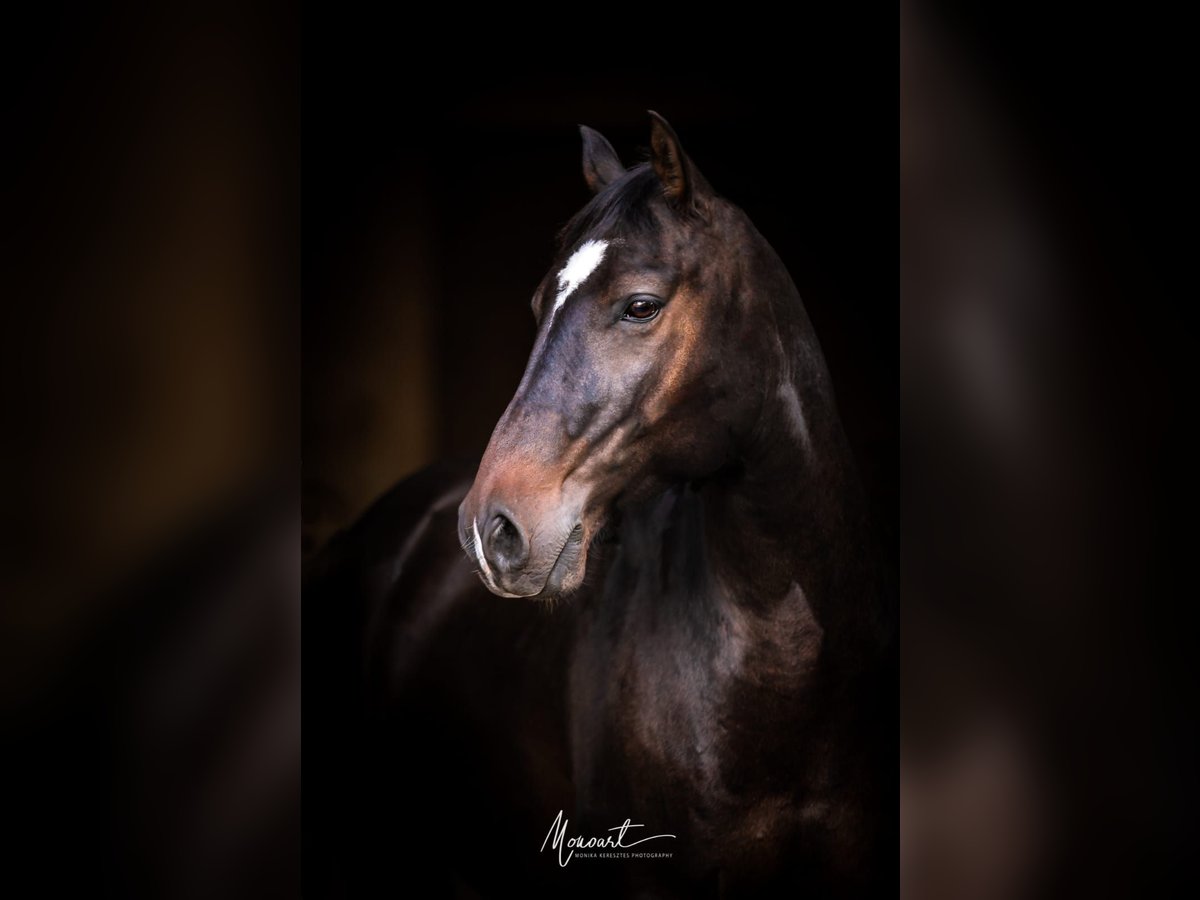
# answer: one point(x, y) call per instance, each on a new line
point(657, 609)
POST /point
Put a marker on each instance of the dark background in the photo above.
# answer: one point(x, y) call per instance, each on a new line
point(150, 337)
point(149, 395)
point(441, 192)
point(1048, 660)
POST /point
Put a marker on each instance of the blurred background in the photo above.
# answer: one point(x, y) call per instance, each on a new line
point(149, 614)
point(1045, 747)
point(152, 338)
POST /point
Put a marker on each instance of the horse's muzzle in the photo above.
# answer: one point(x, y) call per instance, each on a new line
point(539, 557)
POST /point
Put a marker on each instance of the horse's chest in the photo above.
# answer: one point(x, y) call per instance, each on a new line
point(683, 718)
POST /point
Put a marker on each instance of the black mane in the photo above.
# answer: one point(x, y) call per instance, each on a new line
point(622, 207)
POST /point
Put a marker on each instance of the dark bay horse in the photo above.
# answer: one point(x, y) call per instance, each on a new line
point(691, 632)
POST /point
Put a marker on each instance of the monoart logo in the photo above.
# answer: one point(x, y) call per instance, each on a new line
point(608, 847)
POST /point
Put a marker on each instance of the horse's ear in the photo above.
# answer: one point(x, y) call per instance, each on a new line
point(601, 165)
point(682, 182)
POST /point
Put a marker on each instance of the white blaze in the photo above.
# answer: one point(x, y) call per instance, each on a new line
point(583, 262)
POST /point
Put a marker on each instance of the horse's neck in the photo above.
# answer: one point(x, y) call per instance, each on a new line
point(788, 526)
point(779, 538)
point(764, 558)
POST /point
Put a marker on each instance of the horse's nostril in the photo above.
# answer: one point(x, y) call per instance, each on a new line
point(505, 543)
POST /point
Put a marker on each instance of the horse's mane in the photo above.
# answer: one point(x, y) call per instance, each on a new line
point(622, 207)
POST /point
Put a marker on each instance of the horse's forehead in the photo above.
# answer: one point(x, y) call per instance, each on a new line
point(620, 251)
point(603, 255)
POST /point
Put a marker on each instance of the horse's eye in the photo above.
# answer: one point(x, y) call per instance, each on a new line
point(642, 308)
